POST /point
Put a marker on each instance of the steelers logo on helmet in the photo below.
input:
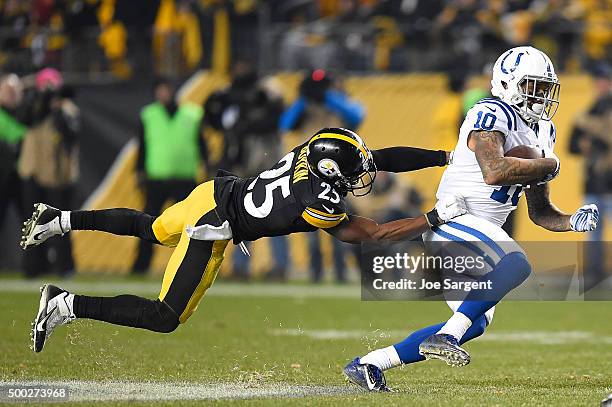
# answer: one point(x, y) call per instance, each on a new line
point(329, 167)
point(341, 157)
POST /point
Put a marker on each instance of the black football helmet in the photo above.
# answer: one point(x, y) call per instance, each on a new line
point(340, 157)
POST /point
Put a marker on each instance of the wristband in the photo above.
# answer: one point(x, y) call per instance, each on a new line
point(433, 219)
point(443, 159)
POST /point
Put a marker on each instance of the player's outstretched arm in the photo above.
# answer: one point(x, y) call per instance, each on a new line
point(545, 214)
point(405, 159)
point(499, 170)
point(357, 229)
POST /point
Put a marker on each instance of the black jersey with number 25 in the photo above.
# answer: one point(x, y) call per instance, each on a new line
point(285, 199)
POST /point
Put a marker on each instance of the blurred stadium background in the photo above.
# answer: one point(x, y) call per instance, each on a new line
point(414, 66)
point(75, 76)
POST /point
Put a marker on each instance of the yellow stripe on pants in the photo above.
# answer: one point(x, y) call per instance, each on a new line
point(171, 225)
point(208, 278)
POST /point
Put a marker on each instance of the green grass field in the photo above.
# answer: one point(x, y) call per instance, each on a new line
point(257, 344)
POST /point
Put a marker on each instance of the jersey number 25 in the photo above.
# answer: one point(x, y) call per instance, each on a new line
point(280, 181)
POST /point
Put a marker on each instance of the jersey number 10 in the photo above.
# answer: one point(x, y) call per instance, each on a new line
point(502, 194)
point(488, 121)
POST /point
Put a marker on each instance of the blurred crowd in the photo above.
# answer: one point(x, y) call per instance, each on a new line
point(94, 38)
point(39, 131)
point(175, 37)
point(591, 138)
point(405, 35)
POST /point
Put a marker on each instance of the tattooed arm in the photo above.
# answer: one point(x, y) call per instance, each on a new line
point(499, 170)
point(543, 212)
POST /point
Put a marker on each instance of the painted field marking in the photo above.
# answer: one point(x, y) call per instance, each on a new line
point(537, 337)
point(220, 289)
point(146, 391)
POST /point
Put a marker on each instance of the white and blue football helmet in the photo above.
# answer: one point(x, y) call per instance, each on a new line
point(524, 77)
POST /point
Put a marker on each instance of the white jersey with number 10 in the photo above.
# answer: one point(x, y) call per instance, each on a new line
point(464, 177)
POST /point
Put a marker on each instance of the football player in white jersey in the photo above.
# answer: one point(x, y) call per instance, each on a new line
point(525, 89)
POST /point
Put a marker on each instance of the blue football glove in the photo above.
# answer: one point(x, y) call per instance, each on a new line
point(585, 219)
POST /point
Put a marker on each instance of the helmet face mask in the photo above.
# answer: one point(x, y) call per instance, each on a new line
point(361, 184)
point(340, 157)
point(540, 97)
point(524, 77)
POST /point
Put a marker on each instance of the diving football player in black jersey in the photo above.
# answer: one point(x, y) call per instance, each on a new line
point(303, 192)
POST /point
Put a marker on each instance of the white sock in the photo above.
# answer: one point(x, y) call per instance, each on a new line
point(457, 325)
point(65, 221)
point(384, 358)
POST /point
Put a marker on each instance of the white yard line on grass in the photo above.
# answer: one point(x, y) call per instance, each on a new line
point(148, 391)
point(537, 337)
point(332, 334)
point(219, 289)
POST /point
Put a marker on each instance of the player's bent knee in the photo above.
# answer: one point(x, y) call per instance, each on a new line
point(521, 269)
point(522, 264)
point(480, 325)
point(160, 318)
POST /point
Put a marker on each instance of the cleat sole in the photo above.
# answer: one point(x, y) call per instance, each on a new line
point(42, 308)
point(29, 225)
point(454, 359)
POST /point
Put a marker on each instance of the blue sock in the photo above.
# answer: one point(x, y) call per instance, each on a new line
point(508, 274)
point(408, 349)
point(478, 327)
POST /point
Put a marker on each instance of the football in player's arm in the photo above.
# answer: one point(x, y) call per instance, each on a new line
point(497, 169)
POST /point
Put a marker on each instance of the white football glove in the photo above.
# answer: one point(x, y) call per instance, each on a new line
point(552, 175)
point(585, 219)
point(450, 206)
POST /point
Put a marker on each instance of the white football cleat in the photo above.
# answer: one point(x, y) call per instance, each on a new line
point(55, 309)
point(44, 223)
